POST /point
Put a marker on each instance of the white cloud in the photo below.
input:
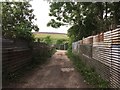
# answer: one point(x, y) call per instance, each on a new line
point(41, 10)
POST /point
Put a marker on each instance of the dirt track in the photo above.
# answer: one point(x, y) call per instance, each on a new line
point(57, 73)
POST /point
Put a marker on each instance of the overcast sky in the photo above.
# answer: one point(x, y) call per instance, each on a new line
point(41, 10)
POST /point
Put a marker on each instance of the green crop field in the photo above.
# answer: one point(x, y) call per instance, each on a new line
point(53, 36)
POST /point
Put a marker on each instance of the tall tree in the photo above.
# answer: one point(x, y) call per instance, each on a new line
point(79, 15)
point(17, 20)
point(85, 18)
point(116, 7)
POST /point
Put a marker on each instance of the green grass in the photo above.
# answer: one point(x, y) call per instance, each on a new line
point(89, 74)
point(53, 36)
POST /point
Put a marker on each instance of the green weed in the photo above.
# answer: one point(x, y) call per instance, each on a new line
point(89, 74)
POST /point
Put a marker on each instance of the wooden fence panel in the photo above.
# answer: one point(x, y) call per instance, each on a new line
point(14, 59)
point(115, 56)
point(106, 50)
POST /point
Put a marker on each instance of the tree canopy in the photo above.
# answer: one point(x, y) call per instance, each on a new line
point(48, 40)
point(17, 20)
point(85, 18)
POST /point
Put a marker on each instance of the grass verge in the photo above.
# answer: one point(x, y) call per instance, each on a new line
point(89, 74)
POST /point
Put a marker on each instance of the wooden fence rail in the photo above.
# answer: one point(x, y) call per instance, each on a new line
point(15, 58)
point(102, 52)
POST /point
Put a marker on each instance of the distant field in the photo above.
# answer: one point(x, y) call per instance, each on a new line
point(53, 36)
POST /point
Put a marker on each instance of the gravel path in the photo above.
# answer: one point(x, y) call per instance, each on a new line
point(57, 73)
